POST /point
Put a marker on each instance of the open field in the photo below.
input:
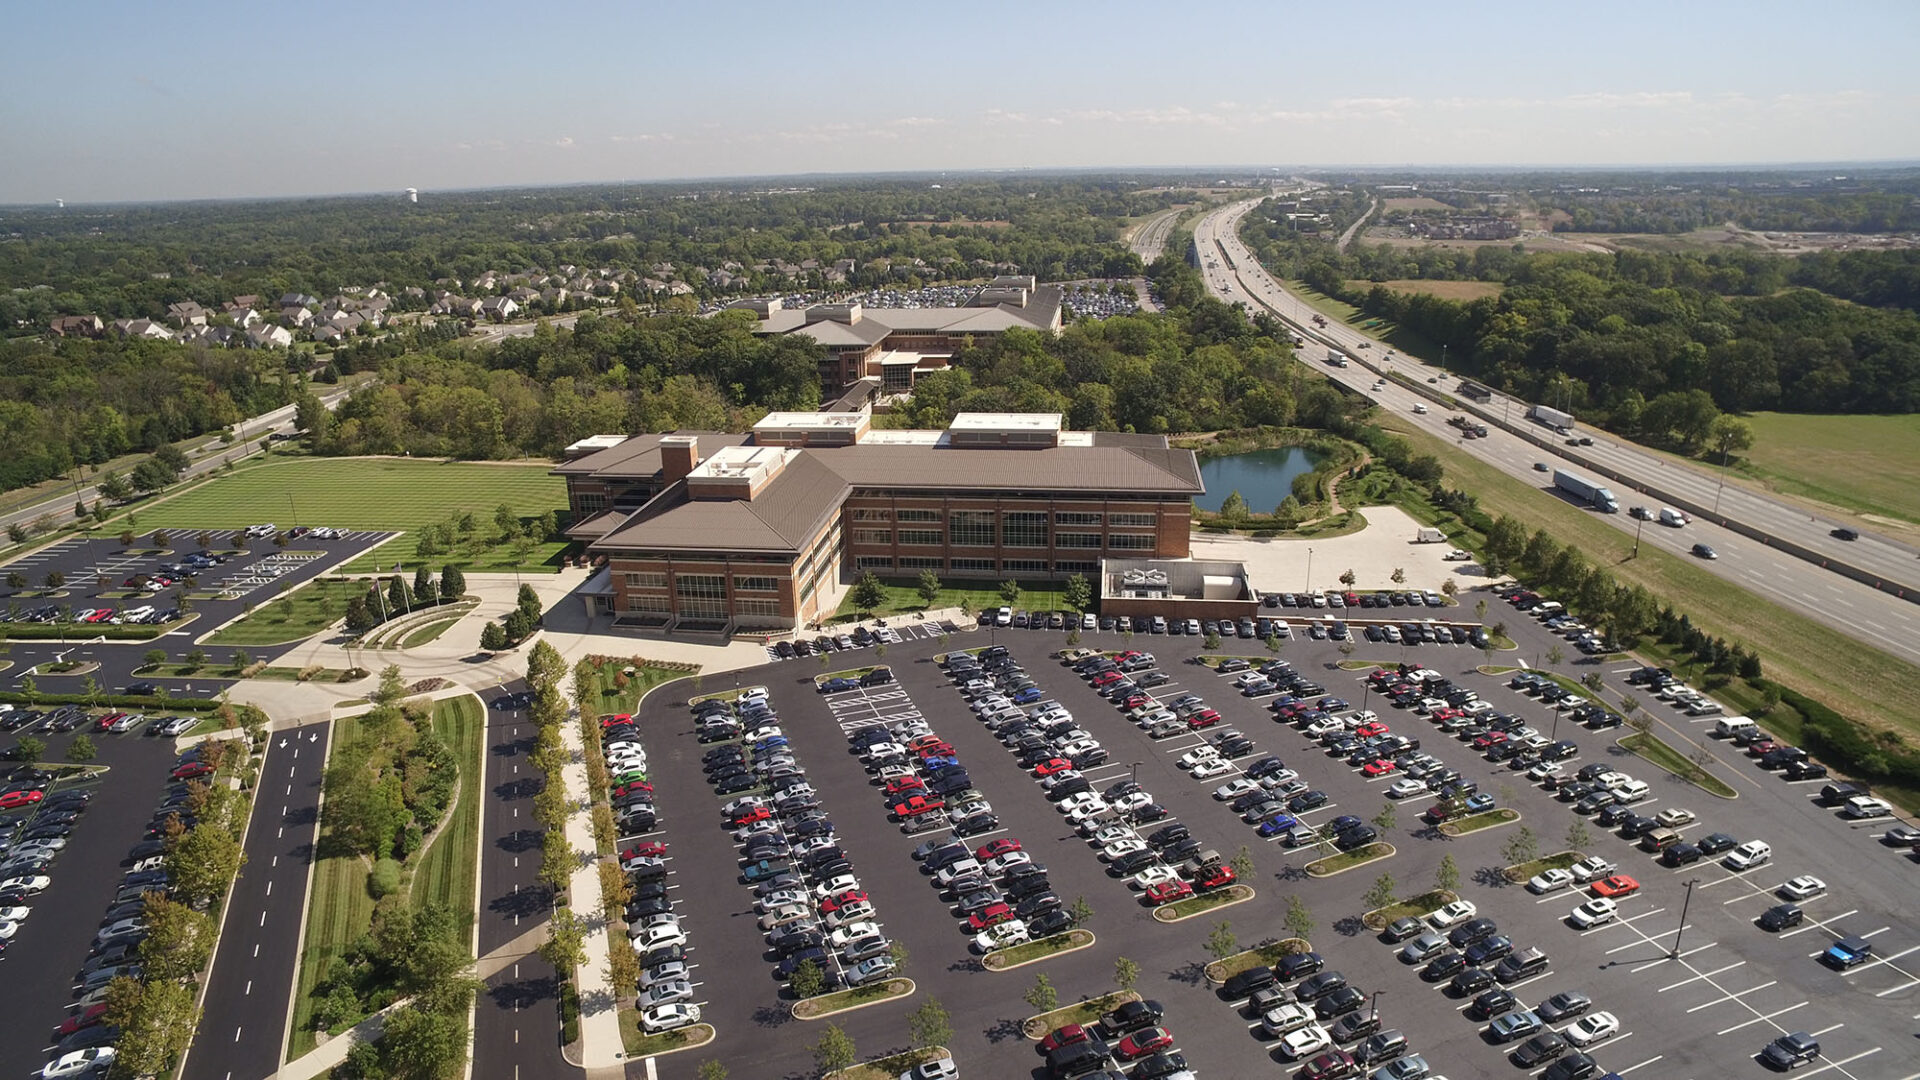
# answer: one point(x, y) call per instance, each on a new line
point(1857, 681)
point(1417, 202)
point(296, 616)
point(1390, 332)
point(1865, 464)
point(1445, 290)
point(373, 493)
point(445, 872)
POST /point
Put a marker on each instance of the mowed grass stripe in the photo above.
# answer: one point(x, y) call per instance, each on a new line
point(358, 493)
point(446, 873)
point(339, 911)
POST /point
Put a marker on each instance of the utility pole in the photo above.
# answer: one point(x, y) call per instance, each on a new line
point(1674, 953)
point(1376, 1003)
point(1309, 570)
point(1133, 772)
point(1638, 524)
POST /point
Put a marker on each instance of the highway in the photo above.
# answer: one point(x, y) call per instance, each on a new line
point(248, 1001)
point(1880, 619)
point(1151, 238)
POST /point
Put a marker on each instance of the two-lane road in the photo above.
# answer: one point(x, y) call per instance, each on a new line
point(1880, 619)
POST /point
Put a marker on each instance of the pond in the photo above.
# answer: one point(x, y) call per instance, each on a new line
point(1262, 477)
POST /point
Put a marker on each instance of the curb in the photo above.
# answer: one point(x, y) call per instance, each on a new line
point(1116, 998)
point(1088, 944)
point(912, 987)
point(1249, 894)
point(1369, 861)
point(711, 1035)
point(1451, 830)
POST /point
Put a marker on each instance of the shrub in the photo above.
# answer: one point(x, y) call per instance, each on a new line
point(385, 878)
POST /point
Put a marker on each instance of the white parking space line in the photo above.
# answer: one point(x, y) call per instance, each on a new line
point(1735, 996)
point(1844, 1062)
point(1702, 975)
point(1821, 924)
point(1622, 1072)
point(1760, 1018)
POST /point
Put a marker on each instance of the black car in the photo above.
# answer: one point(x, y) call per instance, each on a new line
point(1470, 981)
point(1790, 1050)
point(1131, 1017)
point(1049, 922)
point(1169, 835)
point(1318, 986)
point(1575, 1066)
point(1494, 1002)
point(1444, 966)
point(1298, 965)
point(1680, 855)
point(1540, 1049)
point(1246, 982)
point(1157, 1066)
point(1564, 1006)
point(1715, 843)
point(1339, 1003)
point(1472, 931)
point(1781, 917)
point(1307, 800)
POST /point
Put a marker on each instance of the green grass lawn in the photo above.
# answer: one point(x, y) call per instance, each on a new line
point(1658, 752)
point(1861, 682)
point(339, 910)
point(299, 614)
point(373, 493)
point(444, 872)
point(424, 634)
point(618, 699)
point(903, 597)
point(1866, 464)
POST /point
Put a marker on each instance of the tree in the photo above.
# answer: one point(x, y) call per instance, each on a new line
point(518, 626)
point(928, 587)
point(1080, 911)
point(1242, 862)
point(16, 580)
point(566, 946)
point(156, 1021)
point(528, 602)
point(453, 584)
point(1578, 835)
point(203, 862)
point(1480, 609)
point(930, 1025)
point(807, 980)
point(399, 599)
point(179, 939)
point(81, 749)
point(150, 476)
point(1233, 507)
point(1521, 847)
point(1381, 893)
point(1211, 642)
point(360, 617)
point(422, 1044)
point(1399, 576)
point(711, 1070)
point(152, 658)
point(1387, 818)
point(1299, 920)
point(834, 1050)
point(868, 593)
point(1078, 592)
point(1125, 973)
point(424, 590)
point(1556, 655)
point(1041, 995)
point(1010, 592)
point(55, 579)
point(1450, 589)
point(1729, 435)
point(114, 486)
point(1348, 577)
point(1220, 941)
point(196, 659)
point(29, 749)
point(1448, 875)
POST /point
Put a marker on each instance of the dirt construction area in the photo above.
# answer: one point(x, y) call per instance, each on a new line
point(1373, 553)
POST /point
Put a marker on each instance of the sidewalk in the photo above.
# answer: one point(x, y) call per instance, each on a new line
point(318, 1061)
point(600, 1043)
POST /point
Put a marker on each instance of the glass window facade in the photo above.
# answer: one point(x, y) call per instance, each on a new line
point(1024, 566)
point(1125, 542)
point(971, 528)
point(873, 536)
point(966, 565)
point(1131, 519)
point(919, 515)
point(1076, 518)
point(921, 537)
point(1076, 540)
point(1025, 529)
point(701, 596)
point(646, 581)
point(874, 562)
point(755, 584)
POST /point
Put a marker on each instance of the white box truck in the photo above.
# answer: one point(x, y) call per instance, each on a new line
point(1430, 536)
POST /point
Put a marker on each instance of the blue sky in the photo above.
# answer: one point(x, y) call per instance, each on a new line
point(121, 100)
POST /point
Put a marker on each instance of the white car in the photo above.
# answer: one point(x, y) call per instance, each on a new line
point(1126, 804)
point(1804, 887)
point(1452, 915)
point(658, 974)
point(1074, 802)
point(1593, 913)
point(1235, 788)
point(33, 884)
point(1282, 1019)
point(1406, 789)
point(1000, 864)
point(1673, 817)
point(1197, 755)
point(1748, 855)
point(1592, 1028)
point(658, 937)
point(668, 1017)
point(1207, 770)
point(851, 932)
point(849, 915)
point(1551, 880)
point(1592, 868)
point(8, 928)
point(1048, 783)
point(780, 898)
point(1153, 875)
point(1120, 849)
point(743, 804)
point(1305, 1042)
point(1001, 936)
point(1088, 811)
point(844, 883)
point(1866, 807)
point(78, 1062)
point(1107, 834)
point(14, 914)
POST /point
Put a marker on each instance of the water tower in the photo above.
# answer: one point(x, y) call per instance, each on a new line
point(413, 195)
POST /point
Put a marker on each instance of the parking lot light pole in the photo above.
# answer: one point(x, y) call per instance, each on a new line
point(1309, 587)
point(1376, 1004)
point(1133, 773)
point(1674, 953)
point(1638, 524)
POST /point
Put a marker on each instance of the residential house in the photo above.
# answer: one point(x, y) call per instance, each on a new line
point(142, 328)
point(269, 336)
point(499, 308)
point(77, 326)
point(298, 318)
point(187, 313)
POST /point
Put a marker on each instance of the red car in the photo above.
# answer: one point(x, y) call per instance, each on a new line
point(1378, 767)
point(633, 787)
point(1205, 718)
point(1144, 1042)
point(192, 770)
point(991, 915)
point(1167, 892)
point(1760, 746)
point(749, 817)
point(846, 899)
point(900, 785)
point(924, 741)
point(935, 749)
point(1214, 877)
point(1136, 700)
point(918, 804)
point(1105, 678)
point(1440, 812)
point(1370, 729)
point(106, 721)
point(101, 615)
point(651, 849)
point(93, 1015)
point(1442, 716)
point(14, 800)
point(1052, 765)
point(1489, 740)
point(993, 848)
point(1615, 886)
point(1332, 1065)
point(1066, 1036)
point(616, 718)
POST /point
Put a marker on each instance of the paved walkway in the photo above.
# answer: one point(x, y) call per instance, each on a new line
point(600, 1043)
point(320, 1059)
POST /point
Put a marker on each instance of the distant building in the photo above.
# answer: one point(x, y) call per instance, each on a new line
point(1463, 227)
point(88, 326)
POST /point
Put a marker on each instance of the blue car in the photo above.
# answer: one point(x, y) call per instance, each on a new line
point(1277, 825)
point(936, 765)
point(1334, 704)
point(839, 683)
point(770, 742)
point(1479, 803)
point(1028, 696)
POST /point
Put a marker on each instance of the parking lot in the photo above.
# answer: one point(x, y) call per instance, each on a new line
point(221, 592)
point(1705, 1011)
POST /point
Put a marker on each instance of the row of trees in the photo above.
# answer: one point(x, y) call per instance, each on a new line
point(378, 605)
point(387, 784)
point(519, 624)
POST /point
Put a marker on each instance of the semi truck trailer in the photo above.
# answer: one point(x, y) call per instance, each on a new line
point(1595, 495)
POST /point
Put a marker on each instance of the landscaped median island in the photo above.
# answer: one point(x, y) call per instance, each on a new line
point(1082, 1012)
point(890, 1067)
point(1265, 955)
point(1654, 749)
point(666, 1042)
point(1203, 903)
point(1014, 956)
point(1348, 860)
point(1415, 907)
point(1527, 871)
point(814, 1008)
point(1475, 822)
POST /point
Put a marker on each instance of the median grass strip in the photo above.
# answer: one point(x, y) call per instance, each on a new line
point(1080, 1012)
point(1527, 871)
point(1270, 953)
point(1203, 903)
point(446, 871)
point(1654, 749)
point(814, 1008)
point(1476, 822)
point(639, 1045)
point(1348, 860)
point(424, 634)
point(1424, 904)
point(890, 1067)
point(1014, 956)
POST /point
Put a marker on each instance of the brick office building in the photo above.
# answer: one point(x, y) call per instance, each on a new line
point(710, 532)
